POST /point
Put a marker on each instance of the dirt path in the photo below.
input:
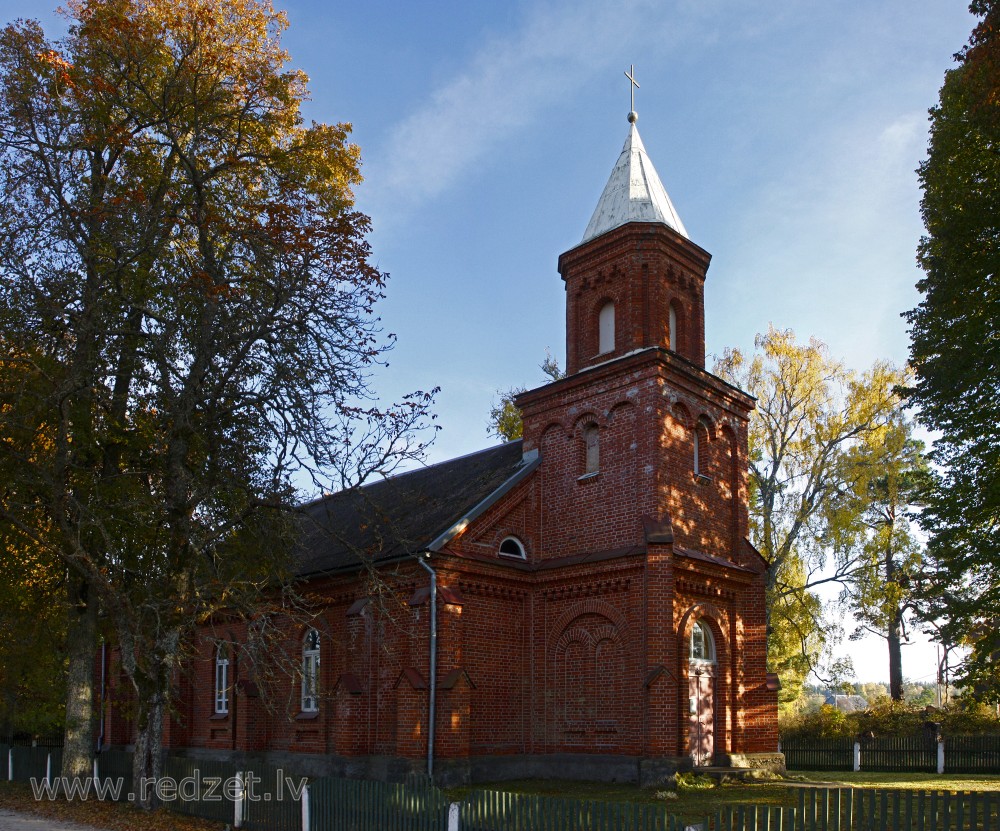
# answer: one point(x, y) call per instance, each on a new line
point(13, 821)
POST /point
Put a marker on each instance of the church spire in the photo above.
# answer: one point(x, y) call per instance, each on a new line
point(634, 193)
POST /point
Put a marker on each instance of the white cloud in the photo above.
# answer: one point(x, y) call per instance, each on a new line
point(507, 87)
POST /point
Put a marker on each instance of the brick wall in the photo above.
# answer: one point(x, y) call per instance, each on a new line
point(582, 646)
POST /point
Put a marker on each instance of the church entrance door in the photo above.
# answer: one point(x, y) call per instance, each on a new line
point(701, 716)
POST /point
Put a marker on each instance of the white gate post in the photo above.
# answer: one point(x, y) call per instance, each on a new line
point(48, 768)
point(10, 765)
point(306, 818)
point(238, 802)
point(97, 777)
point(857, 755)
point(454, 816)
point(940, 766)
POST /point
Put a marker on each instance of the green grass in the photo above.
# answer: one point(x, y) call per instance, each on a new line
point(906, 781)
point(689, 803)
point(692, 804)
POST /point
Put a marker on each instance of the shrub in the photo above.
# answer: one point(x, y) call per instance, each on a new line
point(694, 782)
point(891, 718)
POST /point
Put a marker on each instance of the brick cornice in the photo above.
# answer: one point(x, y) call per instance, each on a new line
point(643, 238)
point(619, 372)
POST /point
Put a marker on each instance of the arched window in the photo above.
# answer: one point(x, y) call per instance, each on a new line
point(512, 547)
point(606, 328)
point(222, 679)
point(592, 441)
point(310, 672)
point(701, 437)
point(672, 323)
point(702, 643)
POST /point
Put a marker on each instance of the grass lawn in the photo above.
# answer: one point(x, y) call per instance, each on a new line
point(114, 816)
point(692, 804)
point(906, 781)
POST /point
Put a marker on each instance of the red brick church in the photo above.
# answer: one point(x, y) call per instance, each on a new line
point(599, 612)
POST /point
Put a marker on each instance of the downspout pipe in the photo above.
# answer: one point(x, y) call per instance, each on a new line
point(104, 667)
point(432, 706)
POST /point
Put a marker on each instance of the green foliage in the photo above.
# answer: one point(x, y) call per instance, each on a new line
point(955, 352)
point(885, 717)
point(888, 479)
point(182, 269)
point(505, 417)
point(797, 640)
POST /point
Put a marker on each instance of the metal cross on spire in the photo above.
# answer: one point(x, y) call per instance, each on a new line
point(633, 86)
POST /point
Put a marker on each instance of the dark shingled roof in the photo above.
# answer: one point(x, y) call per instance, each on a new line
point(401, 515)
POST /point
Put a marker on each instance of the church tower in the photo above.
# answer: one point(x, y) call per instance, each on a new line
point(642, 478)
point(645, 433)
point(636, 280)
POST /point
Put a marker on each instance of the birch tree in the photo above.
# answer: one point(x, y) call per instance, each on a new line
point(812, 413)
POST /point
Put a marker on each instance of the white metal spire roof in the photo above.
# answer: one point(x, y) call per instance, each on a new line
point(634, 193)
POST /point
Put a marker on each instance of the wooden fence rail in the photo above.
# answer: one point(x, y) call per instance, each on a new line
point(275, 803)
point(972, 754)
point(901, 754)
point(417, 805)
point(915, 754)
point(819, 754)
point(358, 805)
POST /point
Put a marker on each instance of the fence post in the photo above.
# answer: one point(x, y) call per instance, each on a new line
point(238, 802)
point(454, 815)
point(97, 777)
point(306, 819)
point(48, 768)
point(940, 764)
point(857, 756)
point(10, 765)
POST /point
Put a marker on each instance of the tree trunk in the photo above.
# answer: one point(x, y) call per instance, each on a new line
point(894, 637)
point(81, 646)
point(147, 760)
point(152, 681)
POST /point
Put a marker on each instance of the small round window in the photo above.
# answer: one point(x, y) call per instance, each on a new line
point(702, 645)
point(512, 547)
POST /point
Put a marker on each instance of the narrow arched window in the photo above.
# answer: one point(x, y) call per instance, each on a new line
point(222, 679)
point(310, 672)
point(701, 437)
point(672, 324)
point(512, 547)
point(592, 442)
point(702, 643)
point(606, 328)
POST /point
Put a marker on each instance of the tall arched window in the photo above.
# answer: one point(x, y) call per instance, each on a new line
point(222, 679)
point(606, 328)
point(592, 441)
point(310, 672)
point(672, 323)
point(702, 643)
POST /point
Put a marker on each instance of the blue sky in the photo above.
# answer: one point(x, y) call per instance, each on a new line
point(786, 133)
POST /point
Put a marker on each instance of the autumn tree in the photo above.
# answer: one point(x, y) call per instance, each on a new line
point(181, 253)
point(32, 579)
point(955, 350)
point(889, 478)
point(811, 417)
